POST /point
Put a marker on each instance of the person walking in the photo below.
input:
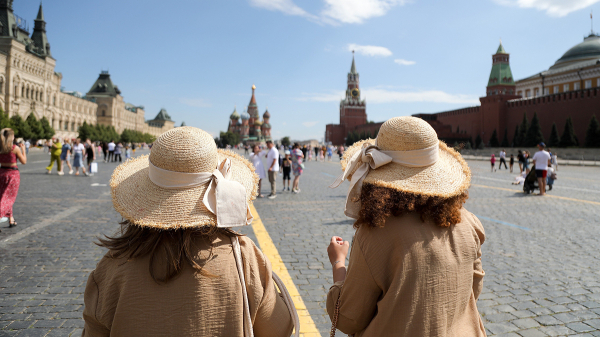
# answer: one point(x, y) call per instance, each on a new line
point(286, 167)
point(415, 267)
point(340, 151)
point(90, 154)
point(329, 152)
point(10, 179)
point(555, 161)
point(133, 146)
point(521, 159)
point(55, 151)
point(316, 148)
point(273, 163)
point(512, 162)
point(111, 151)
point(105, 151)
point(65, 157)
point(493, 162)
point(526, 156)
point(78, 152)
point(27, 146)
point(297, 167)
point(541, 161)
point(550, 177)
point(118, 151)
point(184, 271)
point(256, 159)
point(502, 159)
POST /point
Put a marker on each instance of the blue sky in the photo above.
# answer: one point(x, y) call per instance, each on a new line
point(199, 58)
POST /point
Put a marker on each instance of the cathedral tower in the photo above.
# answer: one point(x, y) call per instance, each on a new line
point(353, 111)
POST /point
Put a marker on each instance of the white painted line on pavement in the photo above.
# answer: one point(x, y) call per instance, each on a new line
point(96, 184)
point(502, 222)
point(558, 187)
point(36, 227)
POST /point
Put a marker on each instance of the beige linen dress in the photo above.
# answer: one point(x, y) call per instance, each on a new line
point(413, 278)
point(121, 299)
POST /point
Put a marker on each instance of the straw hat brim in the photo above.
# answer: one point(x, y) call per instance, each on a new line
point(145, 204)
point(448, 177)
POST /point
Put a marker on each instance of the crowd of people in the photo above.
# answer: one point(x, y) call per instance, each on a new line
point(545, 164)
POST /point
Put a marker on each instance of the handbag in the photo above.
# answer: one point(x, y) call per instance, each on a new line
point(336, 314)
point(287, 299)
point(94, 167)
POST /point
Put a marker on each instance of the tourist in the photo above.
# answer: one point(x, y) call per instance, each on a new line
point(541, 161)
point(304, 150)
point(78, 152)
point(550, 177)
point(317, 148)
point(273, 163)
point(521, 159)
point(133, 146)
point(310, 153)
point(55, 151)
point(256, 158)
point(65, 157)
point(104, 150)
point(27, 145)
point(502, 159)
point(512, 161)
point(127, 153)
point(90, 154)
point(183, 270)
point(521, 177)
point(10, 179)
point(297, 167)
point(118, 150)
point(111, 151)
point(526, 156)
point(340, 151)
point(286, 166)
point(493, 161)
point(555, 161)
point(415, 267)
point(329, 152)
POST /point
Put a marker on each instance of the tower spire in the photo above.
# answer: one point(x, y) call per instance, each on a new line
point(40, 15)
point(40, 40)
point(353, 67)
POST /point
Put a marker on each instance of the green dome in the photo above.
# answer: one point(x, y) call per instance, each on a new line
point(589, 49)
point(266, 125)
point(234, 115)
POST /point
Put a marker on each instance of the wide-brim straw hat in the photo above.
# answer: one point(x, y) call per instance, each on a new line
point(183, 149)
point(449, 176)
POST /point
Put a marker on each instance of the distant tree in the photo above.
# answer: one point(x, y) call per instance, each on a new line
point(534, 134)
point(375, 133)
point(37, 131)
point(505, 139)
point(568, 137)
point(4, 120)
point(229, 138)
point(147, 138)
point(515, 141)
point(554, 139)
point(592, 136)
point(494, 139)
point(479, 142)
point(48, 129)
point(285, 141)
point(21, 127)
point(87, 131)
point(523, 131)
point(467, 145)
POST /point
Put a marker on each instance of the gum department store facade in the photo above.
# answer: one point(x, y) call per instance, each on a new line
point(29, 84)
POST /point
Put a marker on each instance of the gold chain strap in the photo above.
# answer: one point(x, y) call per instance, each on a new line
point(336, 314)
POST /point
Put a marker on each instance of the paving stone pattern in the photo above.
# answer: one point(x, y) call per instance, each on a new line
point(539, 282)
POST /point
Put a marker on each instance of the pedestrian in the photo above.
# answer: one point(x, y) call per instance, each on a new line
point(550, 177)
point(310, 153)
point(10, 179)
point(133, 146)
point(555, 161)
point(55, 151)
point(297, 167)
point(27, 145)
point(111, 151)
point(184, 271)
point(127, 153)
point(78, 152)
point(340, 151)
point(512, 162)
point(273, 163)
point(118, 151)
point(329, 152)
point(415, 267)
point(105, 151)
point(521, 159)
point(317, 152)
point(286, 167)
point(541, 161)
point(502, 159)
point(90, 154)
point(65, 157)
point(256, 159)
point(493, 162)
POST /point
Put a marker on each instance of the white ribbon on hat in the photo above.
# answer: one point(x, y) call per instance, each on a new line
point(223, 197)
point(370, 158)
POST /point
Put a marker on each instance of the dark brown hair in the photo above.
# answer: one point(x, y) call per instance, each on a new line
point(174, 245)
point(378, 203)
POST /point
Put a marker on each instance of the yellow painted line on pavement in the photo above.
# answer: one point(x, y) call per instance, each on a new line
point(547, 195)
point(307, 325)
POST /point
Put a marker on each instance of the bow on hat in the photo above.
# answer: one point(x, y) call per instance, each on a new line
point(225, 198)
point(370, 157)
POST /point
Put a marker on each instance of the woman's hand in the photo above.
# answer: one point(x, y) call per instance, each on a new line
point(337, 250)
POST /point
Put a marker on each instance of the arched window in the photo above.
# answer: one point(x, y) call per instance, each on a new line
point(1, 86)
point(103, 113)
point(54, 100)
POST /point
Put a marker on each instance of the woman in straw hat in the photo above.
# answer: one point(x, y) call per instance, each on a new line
point(415, 267)
point(177, 268)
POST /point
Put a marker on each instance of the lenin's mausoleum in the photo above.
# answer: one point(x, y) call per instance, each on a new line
point(569, 88)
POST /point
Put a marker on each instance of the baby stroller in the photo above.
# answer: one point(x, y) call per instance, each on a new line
point(531, 183)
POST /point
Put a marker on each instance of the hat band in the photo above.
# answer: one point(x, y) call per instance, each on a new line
point(225, 198)
point(370, 158)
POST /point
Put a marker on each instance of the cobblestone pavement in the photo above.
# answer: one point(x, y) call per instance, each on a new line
point(539, 256)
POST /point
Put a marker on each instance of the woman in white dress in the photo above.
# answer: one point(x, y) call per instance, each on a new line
point(255, 157)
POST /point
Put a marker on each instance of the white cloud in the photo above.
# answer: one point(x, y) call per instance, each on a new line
point(557, 8)
point(436, 96)
point(404, 62)
point(370, 50)
point(195, 102)
point(285, 6)
point(309, 124)
point(357, 11)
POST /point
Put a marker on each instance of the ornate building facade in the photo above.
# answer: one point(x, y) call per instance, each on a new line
point(29, 84)
point(251, 129)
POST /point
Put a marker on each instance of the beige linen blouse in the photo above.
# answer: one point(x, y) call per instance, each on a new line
point(122, 299)
point(412, 278)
